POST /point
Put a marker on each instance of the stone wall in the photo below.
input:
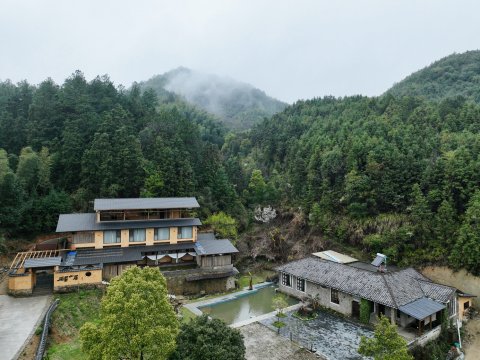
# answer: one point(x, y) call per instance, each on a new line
point(177, 285)
point(405, 320)
point(21, 284)
point(322, 294)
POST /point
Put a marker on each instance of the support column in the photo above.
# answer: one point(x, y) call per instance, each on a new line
point(392, 315)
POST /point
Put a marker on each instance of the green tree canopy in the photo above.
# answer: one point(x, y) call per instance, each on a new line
point(136, 319)
point(208, 339)
point(466, 252)
point(223, 225)
point(386, 344)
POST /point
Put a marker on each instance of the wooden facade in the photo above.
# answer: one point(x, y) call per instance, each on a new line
point(94, 237)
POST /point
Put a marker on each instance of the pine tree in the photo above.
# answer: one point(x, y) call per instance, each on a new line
point(466, 251)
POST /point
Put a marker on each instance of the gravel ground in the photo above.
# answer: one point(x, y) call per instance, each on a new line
point(330, 336)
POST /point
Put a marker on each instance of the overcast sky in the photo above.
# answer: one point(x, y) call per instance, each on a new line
point(290, 49)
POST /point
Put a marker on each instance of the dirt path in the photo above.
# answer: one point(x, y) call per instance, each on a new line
point(472, 349)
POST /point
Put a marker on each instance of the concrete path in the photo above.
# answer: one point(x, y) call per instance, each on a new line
point(261, 344)
point(19, 318)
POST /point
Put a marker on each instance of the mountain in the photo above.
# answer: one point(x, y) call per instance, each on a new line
point(454, 75)
point(237, 104)
point(396, 175)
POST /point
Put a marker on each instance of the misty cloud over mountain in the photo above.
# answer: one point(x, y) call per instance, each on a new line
point(238, 105)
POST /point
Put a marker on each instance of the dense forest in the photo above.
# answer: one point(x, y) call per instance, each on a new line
point(62, 146)
point(454, 75)
point(392, 174)
point(238, 105)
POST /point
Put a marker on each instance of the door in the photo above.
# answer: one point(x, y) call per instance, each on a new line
point(355, 309)
point(381, 309)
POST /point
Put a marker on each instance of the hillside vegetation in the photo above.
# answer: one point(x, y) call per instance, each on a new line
point(454, 75)
point(61, 146)
point(398, 175)
point(237, 105)
point(392, 175)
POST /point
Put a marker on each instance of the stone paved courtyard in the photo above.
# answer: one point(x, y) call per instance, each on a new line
point(330, 336)
point(264, 344)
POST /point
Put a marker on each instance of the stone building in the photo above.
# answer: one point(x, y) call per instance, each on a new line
point(342, 283)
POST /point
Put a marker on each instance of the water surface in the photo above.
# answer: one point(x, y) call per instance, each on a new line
point(245, 306)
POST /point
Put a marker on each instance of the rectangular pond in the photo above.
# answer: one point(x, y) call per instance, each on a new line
point(246, 305)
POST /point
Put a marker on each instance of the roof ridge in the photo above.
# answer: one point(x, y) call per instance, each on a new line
point(390, 291)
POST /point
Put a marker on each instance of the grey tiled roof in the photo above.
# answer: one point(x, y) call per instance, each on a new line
point(213, 247)
point(438, 292)
point(146, 203)
point(393, 289)
point(87, 222)
point(42, 262)
point(421, 308)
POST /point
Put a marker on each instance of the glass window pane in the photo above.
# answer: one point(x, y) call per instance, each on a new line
point(162, 234)
point(185, 232)
point(109, 237)
point(137, 235)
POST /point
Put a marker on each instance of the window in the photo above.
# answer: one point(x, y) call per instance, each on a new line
point(301, 284)
point(111, 237)
point(137, 235)
point(334, 296)
point(162, 234)
point(286, 280)
point(159, 214)
point(185, 232)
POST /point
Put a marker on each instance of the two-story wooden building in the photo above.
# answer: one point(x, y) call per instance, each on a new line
point(120, 233)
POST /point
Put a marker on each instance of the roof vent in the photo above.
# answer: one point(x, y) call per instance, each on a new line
point(380, 262)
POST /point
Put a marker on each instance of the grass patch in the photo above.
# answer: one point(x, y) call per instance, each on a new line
point(187, 315)
point(74, 310)
point(279, 324)
point(281, 315)
point(71, 351)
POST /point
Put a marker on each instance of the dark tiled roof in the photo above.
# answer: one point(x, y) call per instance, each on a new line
point(214, 247)
point(42, 262)
point(421, 308)
point(87, 222)
point(123, 255)
point(205, 236)
point(136, 253)
point(393, 289)
point(145, 203)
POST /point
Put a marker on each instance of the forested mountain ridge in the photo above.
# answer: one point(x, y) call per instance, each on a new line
point(394, 175)
point(237, 104)
point(454, 75)
point(63, 145)
point(398, 175)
